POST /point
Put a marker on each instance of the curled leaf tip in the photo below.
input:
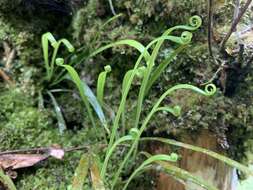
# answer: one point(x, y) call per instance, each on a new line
point(69, 46)
point(195, 21)
point(177, 111)
point(140, 71)
point(186, 37)
point(210, 89)
point(49, 36)
point(174, 157)
point(71, 49)
point(59, 61)
point(134, 132)
point(108, 68)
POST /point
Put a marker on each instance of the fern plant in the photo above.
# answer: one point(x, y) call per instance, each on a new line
point(149, 72)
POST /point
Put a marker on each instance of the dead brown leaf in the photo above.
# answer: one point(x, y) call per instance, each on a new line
point(97, 181)
point(16, 161)
point(56, 152)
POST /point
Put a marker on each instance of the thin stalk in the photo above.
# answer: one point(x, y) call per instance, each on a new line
point(184, 39)
point(51, 72)
point(157, 72)
point(149, 161)
point(122, 106)
point(145, 54)
point(234, 24)
point(106, 160)
point(210, 26)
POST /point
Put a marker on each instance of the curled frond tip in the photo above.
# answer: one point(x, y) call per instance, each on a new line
point(108, 68)
point(186, 37)
point(195, 21)
point(59, 61)
point(210, 89)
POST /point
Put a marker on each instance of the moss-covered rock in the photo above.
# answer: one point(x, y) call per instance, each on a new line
point(23, 126)
point(228, 115)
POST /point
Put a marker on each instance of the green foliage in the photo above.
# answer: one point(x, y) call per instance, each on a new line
point(101, 84)
point(23, 125)
point(142, 19)
point(224, 159)
point(61, 122)
point(148, 73)
point(47, 39)
point(159, 157)
point(86, 94)
point(150, 59)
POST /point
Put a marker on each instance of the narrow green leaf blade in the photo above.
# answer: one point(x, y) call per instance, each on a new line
point(86, 94)
point(159, 157)
point(101, 83)
point(94, 102)
point(215, 155)
point(176, 110)
point(61, 122)
point(179, 173)
point(133, 43)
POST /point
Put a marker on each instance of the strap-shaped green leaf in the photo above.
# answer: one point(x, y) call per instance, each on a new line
point(86, 94)
point(133, 43)
point(209, 90)
point(210, 153)
point(176, 110)
point(61, 122)
point(47, 37)
point(111, 150)
point(180, 174)
point(159, 157)
point(101, 83)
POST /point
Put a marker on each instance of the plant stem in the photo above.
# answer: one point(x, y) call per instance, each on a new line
point(234, 24)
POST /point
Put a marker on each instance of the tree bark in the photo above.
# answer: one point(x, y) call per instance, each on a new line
point(209, 169)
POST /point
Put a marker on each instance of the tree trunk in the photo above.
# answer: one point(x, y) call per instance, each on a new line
point(214, 172)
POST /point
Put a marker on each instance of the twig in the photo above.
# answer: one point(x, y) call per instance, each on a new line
point(210, 26)
point(214, 75)
point(71, 149)
point(46, 149)
point(25, 150)
point(237, 9)
point(234, 23)
point(112, 8)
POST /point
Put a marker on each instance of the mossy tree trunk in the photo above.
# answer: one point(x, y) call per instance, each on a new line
point(212, 171)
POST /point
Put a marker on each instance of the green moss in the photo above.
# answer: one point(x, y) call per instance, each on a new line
point(23, 125)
